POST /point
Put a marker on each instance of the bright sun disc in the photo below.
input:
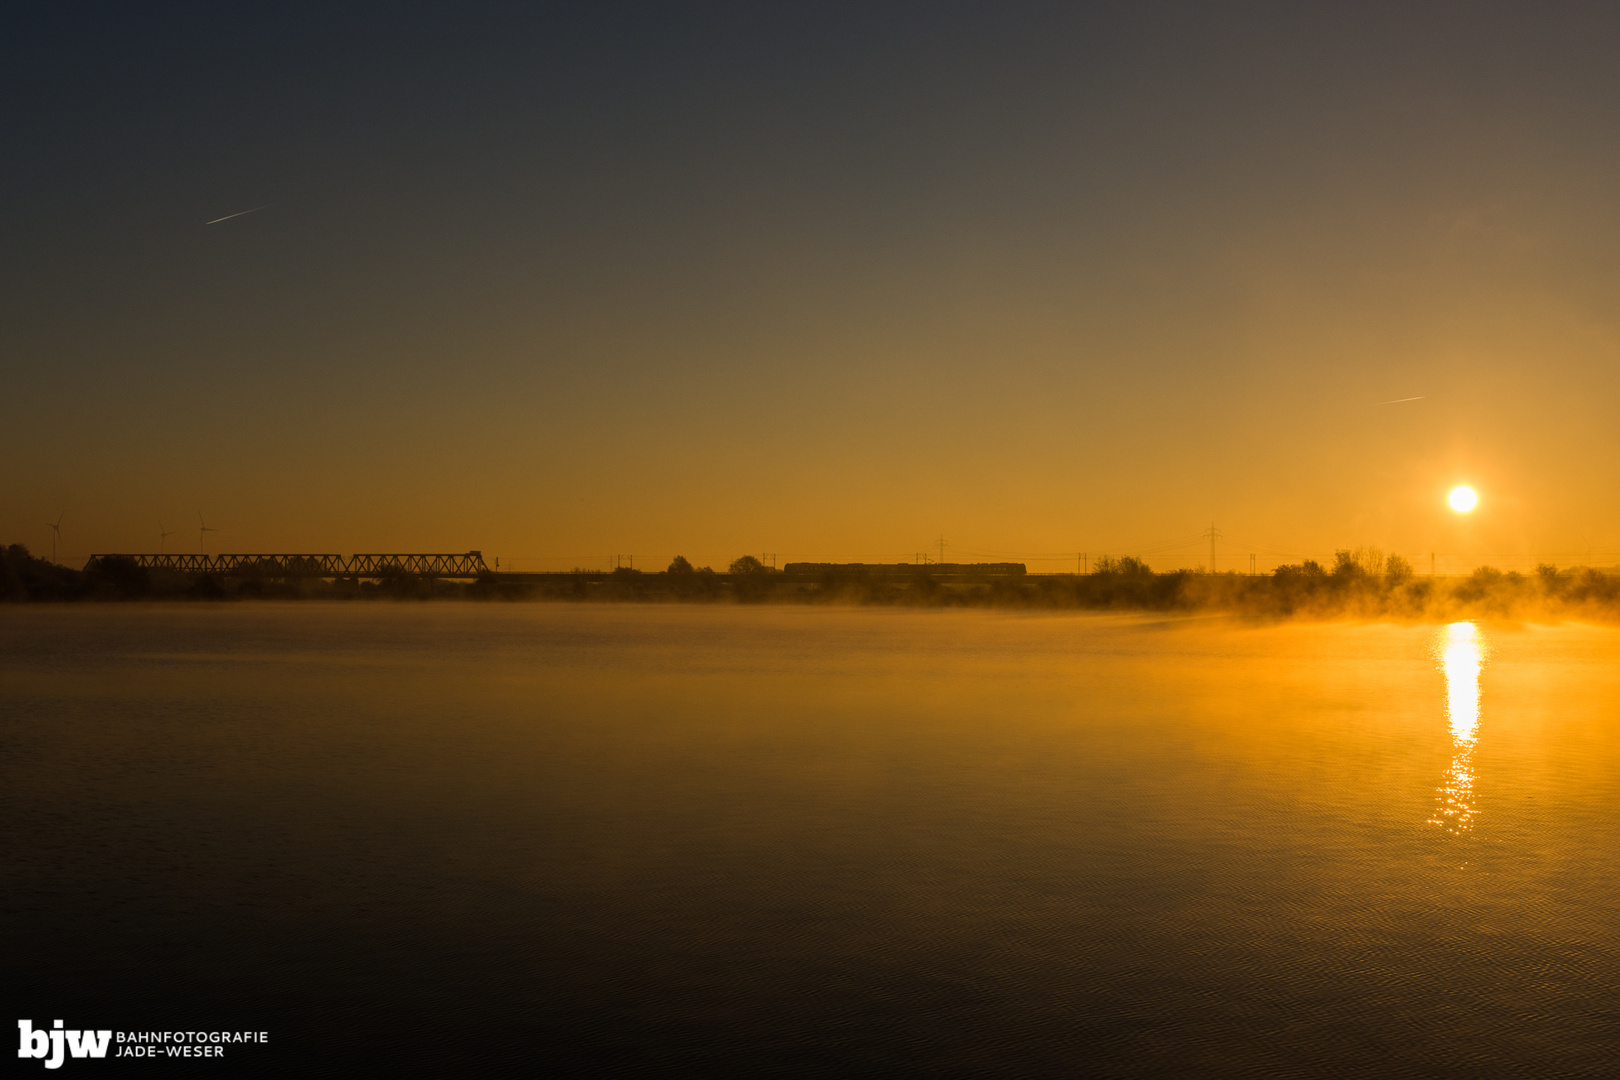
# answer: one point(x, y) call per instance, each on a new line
point(1463, 499)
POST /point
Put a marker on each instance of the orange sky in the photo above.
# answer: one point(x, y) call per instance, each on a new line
point(827, 284)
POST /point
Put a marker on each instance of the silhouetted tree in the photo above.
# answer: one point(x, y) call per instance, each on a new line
point(1126, 565)
point(40, 579)
point(11, 586)
point(680, 566)
point(121, 575)
point(750, 580)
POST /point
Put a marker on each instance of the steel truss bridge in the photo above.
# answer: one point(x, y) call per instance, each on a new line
point(466, 565)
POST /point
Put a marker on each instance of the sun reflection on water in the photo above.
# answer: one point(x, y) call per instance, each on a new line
point(1461, 651)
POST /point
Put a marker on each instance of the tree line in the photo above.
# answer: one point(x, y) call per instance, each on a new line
point(1360, 583)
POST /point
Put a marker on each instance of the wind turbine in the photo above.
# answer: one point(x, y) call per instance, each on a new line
point(56, 532)
point(164, 534)
point(202, 533)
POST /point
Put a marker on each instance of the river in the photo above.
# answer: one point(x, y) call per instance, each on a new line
point(466, 838)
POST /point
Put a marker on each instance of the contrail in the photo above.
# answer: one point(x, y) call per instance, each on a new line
point(1398, 400)
point(239, 213)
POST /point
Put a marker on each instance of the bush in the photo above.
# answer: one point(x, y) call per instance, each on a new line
point(1126, 565)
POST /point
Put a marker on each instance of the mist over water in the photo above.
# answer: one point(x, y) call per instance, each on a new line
point(463, 838)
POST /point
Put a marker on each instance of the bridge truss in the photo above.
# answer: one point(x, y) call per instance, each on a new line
point(465, 565)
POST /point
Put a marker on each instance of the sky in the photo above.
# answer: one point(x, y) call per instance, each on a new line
point(820, 281)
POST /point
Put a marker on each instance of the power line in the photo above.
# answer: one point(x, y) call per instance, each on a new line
point(1214, 534)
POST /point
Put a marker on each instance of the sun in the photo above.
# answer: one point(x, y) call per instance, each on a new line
point(1463, 499)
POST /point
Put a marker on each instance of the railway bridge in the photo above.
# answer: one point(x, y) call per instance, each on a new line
point(468, 564)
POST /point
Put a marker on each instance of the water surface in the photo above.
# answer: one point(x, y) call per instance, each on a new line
point(817, 841)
